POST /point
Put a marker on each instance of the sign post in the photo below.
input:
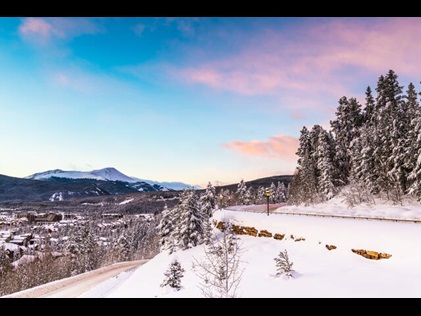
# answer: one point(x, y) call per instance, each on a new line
point(267, 197)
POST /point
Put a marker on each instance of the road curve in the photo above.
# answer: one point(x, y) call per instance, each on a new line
point(75, 286)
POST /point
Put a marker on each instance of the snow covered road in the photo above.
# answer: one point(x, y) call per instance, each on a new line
point(78, 285)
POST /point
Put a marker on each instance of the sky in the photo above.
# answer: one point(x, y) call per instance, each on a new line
point(190, 99)
point(317, 271)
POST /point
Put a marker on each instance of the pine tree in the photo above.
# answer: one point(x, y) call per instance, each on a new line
point(166, 227)
point(260, 196)
point(283, 264)
point(304, 183)
point(295, 189)
point(280, 193)
point(389, 106)
point(173, 275)
point(272, 189)
point(241, 193)
point(88, 249)
point(304, 143)
point(73, 248)
point(407, 147)
point(191, 221)
point(5, 269)
point(248, 197)
point(345, 128)
point(123, 248)
point(208, 200)
point(325, 164)
point(414, 139)
point(207, 232)
point(369, 108)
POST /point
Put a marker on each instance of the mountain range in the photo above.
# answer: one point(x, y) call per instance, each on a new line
point(58, 185)
point(107, 174)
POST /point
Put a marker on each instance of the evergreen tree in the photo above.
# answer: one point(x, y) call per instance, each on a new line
point(248, 197)
point(387, 134)
point(345, 128)
point(295, 189)
point(325, 163)
point(123, 248)
point(5, 269)
point(260, 196)
point(304, 186)
point(283, 264)
point(207, 232)
point(414, 139)
point(273, 197)
point(280, 193)
point(191, 221)
point(173, 275)
point(166, 227)
point(407, 145)
point(241, 193)
point(73, 248)
point(369, 108)
point(208, 200)
point(304, 144)
point(88, 249)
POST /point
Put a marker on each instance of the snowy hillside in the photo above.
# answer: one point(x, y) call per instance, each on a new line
point(317, 271)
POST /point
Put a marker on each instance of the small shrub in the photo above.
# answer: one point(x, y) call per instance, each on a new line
point(283, 264)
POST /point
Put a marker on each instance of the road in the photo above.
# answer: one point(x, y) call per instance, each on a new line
point(276, 208)
point(75, 286)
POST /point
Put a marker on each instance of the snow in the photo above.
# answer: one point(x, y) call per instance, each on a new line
point(318, 272)
point(105, 174)
point(58, 196)
point(126, 201)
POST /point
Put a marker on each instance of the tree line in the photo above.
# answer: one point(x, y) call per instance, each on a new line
point(371, 150)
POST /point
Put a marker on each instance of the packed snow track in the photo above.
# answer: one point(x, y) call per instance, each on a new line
point(75, 286)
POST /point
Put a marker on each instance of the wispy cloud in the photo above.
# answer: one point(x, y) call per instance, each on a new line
point(323, 58)
point(278, 146)
point(43, 31)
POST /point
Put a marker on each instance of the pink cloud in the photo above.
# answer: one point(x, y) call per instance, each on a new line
point(278, 146)
point(39, 28)
point(322, 58)
point(43, 30)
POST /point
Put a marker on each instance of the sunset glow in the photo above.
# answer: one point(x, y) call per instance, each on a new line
point(185, 99)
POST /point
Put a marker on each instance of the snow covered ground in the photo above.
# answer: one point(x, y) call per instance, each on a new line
point(318, 272)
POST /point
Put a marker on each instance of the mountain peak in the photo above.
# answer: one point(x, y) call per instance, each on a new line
point(112, 174)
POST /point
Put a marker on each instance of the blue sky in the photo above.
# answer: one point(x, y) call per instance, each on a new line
point(185, 99)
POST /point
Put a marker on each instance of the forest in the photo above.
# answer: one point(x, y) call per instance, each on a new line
point(371, 150)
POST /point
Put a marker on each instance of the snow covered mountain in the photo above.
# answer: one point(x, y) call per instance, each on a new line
point(105, 174)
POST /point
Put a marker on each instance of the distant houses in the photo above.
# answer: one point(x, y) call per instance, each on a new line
point(42, 218)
